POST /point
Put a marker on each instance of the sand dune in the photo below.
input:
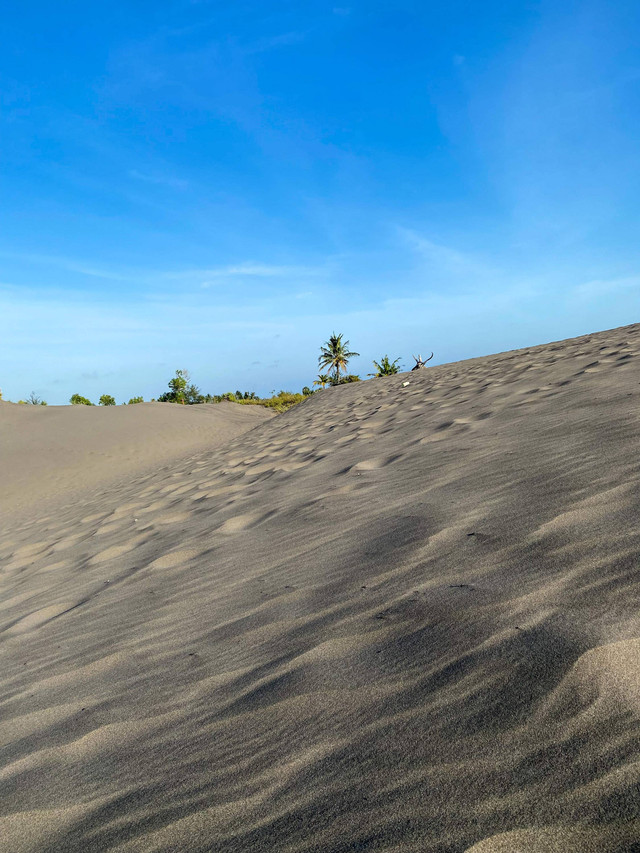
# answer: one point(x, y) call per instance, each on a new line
point(397, 618)
point(64, 452)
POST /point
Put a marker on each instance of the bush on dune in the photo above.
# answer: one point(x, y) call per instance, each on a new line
point(345, 380)
point(182, 390)
point(280, 402)
point(34, 400)
point(384, 367)
point(334, 357)
point(79, 400)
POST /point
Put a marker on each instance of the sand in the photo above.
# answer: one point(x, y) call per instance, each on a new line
point(400, 618)
point(64, 453)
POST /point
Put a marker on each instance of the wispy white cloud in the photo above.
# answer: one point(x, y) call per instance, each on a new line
point(249, 270)
point(597, 288)
point(444, 259)
point(205, 277)
point(83, 337)
point(82, 267)
point(137, 338)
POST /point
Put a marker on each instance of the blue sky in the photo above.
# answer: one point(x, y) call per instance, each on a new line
point(219, 186)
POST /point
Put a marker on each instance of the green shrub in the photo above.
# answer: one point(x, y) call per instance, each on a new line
point(134, 400)
point(384, 367)
point(180, 391)
point(280, 402)
point(345, 380)
point(78, 400)
point(107, 400)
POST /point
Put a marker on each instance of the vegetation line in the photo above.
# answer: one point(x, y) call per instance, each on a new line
point(334, 357)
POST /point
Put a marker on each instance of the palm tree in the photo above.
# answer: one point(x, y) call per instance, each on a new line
point(323, 380)
point(335, 355)
point(385, 367)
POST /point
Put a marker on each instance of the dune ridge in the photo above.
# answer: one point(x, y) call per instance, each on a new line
point(397, 618)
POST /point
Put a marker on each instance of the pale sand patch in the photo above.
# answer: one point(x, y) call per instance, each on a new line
point(55, 452)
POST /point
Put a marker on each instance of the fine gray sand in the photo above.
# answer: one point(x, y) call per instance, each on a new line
point(396, 618)
point(65, 452)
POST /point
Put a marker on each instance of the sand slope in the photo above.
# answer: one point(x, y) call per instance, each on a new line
point(64, 452)
point(394, 619)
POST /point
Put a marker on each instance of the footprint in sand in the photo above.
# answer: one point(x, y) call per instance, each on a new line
point(244, 522)
point(106, 529)
point(187, 487)
point(176, 558)
point(126, 509)
point(447, 428)
point(592, 367)
point(345, 439)
point(154, 506)
point(265, 468)
point(288, 467)
point(375, 463)
point(175, 518)
point(353, 486)
point(114, 552)
point(97, 516)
